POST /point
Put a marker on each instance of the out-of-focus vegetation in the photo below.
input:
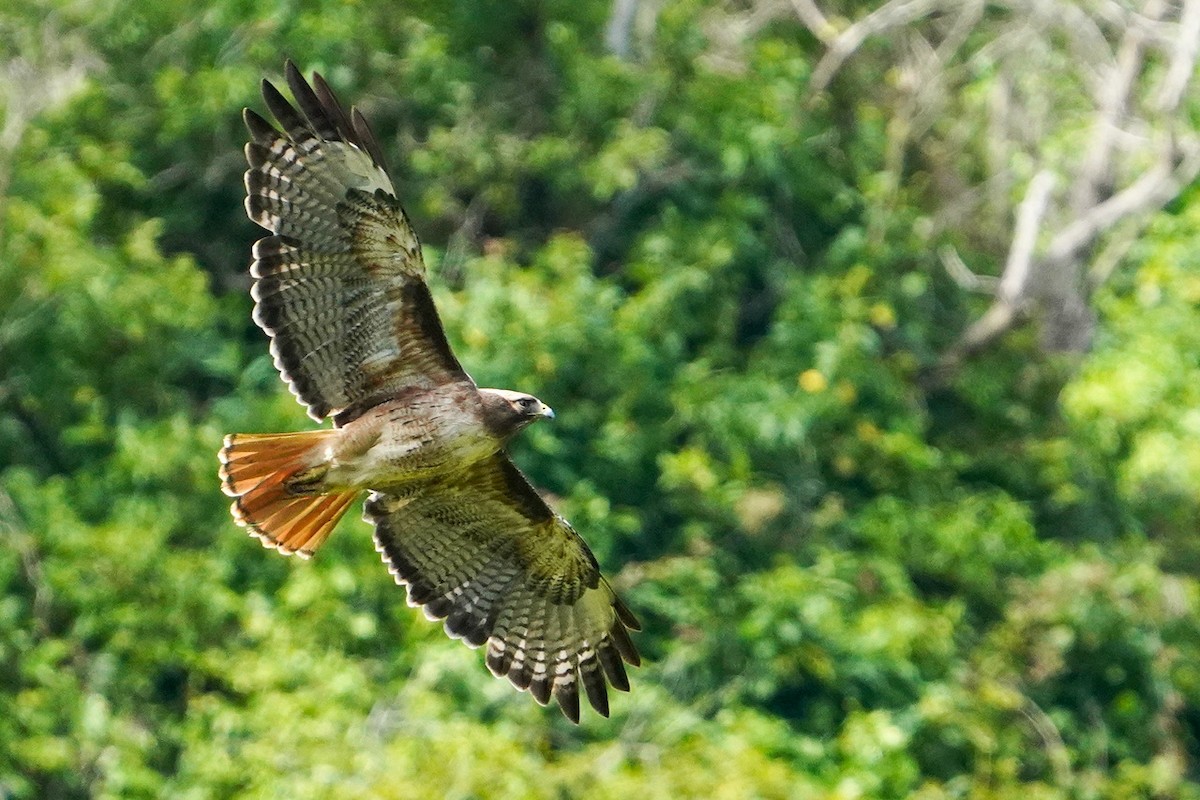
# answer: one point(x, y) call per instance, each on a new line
point(864, 570)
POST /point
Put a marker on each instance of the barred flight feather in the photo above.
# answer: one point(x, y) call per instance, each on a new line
point(507, 572)
point(340, 283)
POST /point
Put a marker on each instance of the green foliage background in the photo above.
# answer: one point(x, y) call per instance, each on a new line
point(853, 585)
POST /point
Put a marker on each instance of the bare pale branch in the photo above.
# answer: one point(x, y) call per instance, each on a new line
point(888, 16)
point(961, 274)
point(1014, 281)
point(1184, 52)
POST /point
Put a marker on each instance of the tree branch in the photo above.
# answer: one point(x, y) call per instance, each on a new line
point(1148, 193)
point(814, 20)
point(1013, 291)
point(890, 15)
point(1183, 59)
point(961, 274)
point(620, 27)
point(1014, 281)
point(1096, 169)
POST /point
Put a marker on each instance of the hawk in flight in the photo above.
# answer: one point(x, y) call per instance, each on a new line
point(339, 286)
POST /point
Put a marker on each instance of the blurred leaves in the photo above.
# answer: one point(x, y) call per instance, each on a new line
point(852, 586)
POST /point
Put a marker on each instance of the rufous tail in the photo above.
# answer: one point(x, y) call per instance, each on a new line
point(266, 475)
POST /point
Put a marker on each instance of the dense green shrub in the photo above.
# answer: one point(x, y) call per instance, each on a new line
point(854, 583)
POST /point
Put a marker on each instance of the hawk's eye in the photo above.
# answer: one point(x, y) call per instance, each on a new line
point(526, 403)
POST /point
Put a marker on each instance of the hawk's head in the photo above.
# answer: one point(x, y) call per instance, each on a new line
point(507, 412)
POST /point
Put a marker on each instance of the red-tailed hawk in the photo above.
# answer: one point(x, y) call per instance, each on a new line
point(340, 289)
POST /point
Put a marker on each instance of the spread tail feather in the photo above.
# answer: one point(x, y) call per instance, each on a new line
point(257, 471)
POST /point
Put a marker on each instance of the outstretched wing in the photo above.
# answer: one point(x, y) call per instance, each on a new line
point(484, 552)
point(340, 285)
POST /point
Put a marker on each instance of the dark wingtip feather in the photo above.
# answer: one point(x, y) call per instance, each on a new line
point(540, 688)
point(520, 676)
point(270, 93)
point(620, 639)
point(626, 615)
point(366, 137)
point(567, 695)
point(292, 73)
point(464, 623)
point(311, 106)
point(614, 668)
point(438, 608)
point(597, 691)
point(420, 595)
point(281, 109)
point(260, 129)
point(499, 662)
point(476, 636)
point(332, 106)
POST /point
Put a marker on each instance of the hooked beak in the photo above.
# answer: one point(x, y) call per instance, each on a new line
point(547, 411)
